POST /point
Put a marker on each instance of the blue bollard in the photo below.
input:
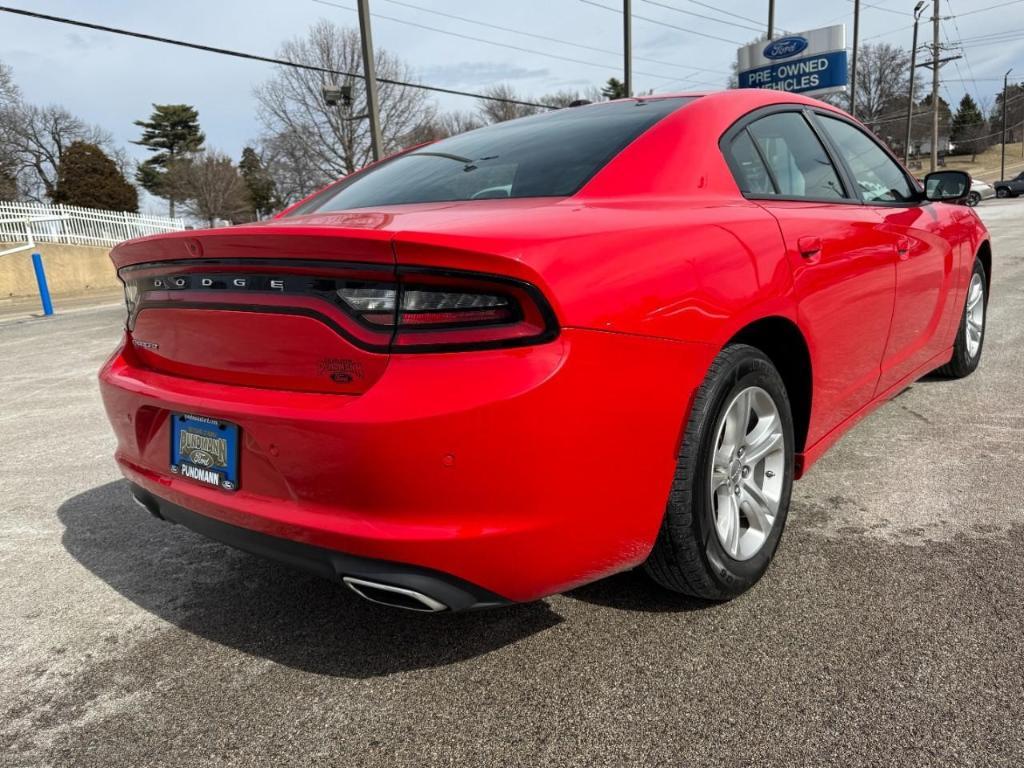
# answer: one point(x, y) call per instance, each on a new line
point(44, 291)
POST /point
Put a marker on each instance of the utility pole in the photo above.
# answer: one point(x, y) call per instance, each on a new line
point(913, 71)
point(771, 19)
point(1002, 159)
point(935, 85)
point(370, 74)
point(627, 46)
point(853, 63)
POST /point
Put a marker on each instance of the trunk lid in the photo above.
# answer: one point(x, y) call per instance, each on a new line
point(257, 306)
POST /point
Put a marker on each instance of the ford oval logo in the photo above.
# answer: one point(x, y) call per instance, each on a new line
point(785, 47)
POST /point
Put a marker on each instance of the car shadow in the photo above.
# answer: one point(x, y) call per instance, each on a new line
point(634, 591)
point(265, 609)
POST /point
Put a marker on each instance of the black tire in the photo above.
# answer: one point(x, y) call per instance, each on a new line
point(962, 364)
point(688, 556)
point(973, 199)
point(1002, 192)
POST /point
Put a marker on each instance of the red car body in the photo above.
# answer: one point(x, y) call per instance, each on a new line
point(515, 472)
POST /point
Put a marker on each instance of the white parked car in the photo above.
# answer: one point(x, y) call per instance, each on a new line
point(979, 191)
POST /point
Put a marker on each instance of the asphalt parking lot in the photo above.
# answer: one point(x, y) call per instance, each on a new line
point(889, 631)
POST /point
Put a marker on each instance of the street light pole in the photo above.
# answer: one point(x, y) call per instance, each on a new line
point(370, 73)
point(1002, 159)
point(627, 47)
point(910, 97)
point(853, 63)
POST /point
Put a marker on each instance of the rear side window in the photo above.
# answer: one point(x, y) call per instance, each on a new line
point(751, 175)
point(547, 155)
point(797, 160)
point(877, 175)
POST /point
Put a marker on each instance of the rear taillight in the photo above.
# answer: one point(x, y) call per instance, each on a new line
point(436, 311)
point(410, 309)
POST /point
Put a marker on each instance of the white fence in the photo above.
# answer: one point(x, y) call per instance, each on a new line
point(35, 222)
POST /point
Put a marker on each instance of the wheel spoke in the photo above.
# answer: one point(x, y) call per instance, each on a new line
point(728, 523)
point(762, 510)
point(736, 423)
point(975, 297)
point(719, 476)
point(763, 442)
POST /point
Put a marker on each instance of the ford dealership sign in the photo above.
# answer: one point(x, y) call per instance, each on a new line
point(811, 62)
point(785, 47)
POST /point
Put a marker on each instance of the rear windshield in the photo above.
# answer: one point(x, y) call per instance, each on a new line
point(547, 155)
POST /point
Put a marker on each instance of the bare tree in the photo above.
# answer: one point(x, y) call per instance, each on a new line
point(9, 93)
point(38, 138)
point(448, 124)
point(492, 111)
point(883, 76)
point(295, 172)
point(563, 98)
point(210, 188)
point(324, 141)
point(9, 98)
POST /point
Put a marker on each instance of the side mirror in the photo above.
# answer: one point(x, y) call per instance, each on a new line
point(947, 186)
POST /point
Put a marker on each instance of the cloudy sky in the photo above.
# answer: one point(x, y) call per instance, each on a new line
point(537, 46)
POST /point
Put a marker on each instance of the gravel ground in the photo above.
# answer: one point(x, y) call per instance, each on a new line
point(888, 631)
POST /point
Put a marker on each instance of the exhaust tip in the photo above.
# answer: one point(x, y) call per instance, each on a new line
point(395, 597)
point(148, 504)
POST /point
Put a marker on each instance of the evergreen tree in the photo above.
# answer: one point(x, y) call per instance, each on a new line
point(968, 130)
point(921, 131)
point(967, 115)
point(1014, 96)
point(89, 178)
point(171, 133)
point(258, 182)
point(614, 89)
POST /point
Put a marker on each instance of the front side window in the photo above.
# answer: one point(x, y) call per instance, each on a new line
point(797, 160)
point(548, 155)
point(878, 177)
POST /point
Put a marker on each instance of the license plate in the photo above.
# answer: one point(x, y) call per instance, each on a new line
point(205, 450)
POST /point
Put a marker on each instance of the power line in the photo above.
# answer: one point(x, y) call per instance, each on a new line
point(727, 13)
point(991, 7)
point(956, 64)
point(257, 57)
point(530, 34)
point(990, 43)
point(1006, 33)
point(881, 8)
point(702, 16)
point(968, 13)
point(476, 39)
point(663, 23)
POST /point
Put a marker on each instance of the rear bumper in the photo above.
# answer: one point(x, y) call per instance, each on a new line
point(522, 472)
point(452, 592)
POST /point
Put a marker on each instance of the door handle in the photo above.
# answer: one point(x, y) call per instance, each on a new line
point(903, 248)
point(809, 245)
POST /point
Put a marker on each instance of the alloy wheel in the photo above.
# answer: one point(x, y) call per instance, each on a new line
point(974, 316)
point(747, 472)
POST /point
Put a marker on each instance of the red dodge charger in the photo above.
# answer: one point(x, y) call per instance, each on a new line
point(529, 356)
